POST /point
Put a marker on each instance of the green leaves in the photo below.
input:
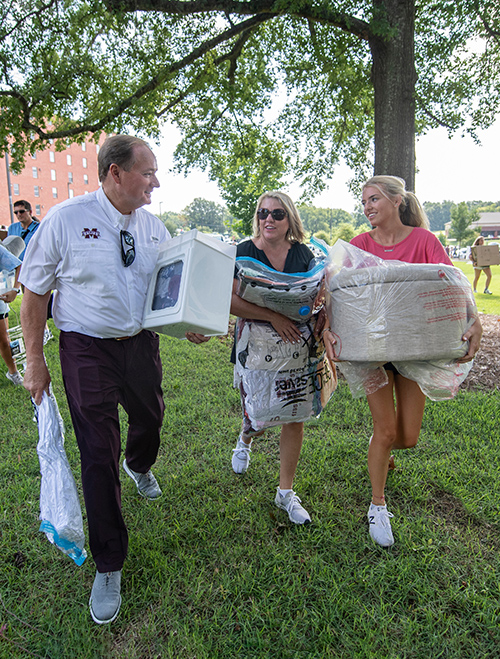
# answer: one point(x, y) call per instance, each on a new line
point(461, 217)
point(287, 82)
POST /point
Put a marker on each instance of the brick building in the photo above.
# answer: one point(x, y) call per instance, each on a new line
point(48, 178)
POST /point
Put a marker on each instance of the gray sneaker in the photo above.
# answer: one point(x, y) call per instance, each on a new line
point(16, 378)
point(147, 485)
point(291, 503)
point(105, 599)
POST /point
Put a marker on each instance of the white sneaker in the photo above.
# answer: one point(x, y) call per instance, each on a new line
point(15, 378)
point(487, 291)
point(379, 525)
point(291, 503)
point(241, 457)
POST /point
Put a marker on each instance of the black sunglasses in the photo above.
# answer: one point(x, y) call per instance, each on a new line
point(20, 211)
point(278, 214)
point(128, 248)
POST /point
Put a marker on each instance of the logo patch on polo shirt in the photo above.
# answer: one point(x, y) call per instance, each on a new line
point(91, 233)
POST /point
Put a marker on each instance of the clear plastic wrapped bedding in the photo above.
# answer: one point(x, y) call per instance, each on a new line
point(413, 315)
point(292, 295)
point(280, 382)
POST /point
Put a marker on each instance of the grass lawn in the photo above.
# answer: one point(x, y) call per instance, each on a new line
point(215, 571)
point(485, 303)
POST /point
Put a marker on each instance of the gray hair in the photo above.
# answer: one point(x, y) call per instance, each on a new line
point(118, 149)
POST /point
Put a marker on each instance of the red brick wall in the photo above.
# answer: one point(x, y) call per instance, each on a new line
point(23, 185)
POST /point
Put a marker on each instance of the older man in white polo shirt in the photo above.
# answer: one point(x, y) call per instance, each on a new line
point(98, 252)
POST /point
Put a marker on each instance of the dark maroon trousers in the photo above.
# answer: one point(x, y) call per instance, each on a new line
point(98, 375)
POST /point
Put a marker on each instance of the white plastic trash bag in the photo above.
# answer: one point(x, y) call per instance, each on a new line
point(60, 510)
point(273, 398)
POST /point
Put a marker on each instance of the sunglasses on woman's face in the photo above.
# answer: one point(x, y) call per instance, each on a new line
point(278, 214)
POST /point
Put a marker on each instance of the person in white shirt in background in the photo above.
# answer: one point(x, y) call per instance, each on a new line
point(8, 263)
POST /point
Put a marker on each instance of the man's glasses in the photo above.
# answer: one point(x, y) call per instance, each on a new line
point(278, 214)
point(128, 248)
point(20, 212)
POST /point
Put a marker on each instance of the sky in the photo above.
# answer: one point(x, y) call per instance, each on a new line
point(453, 169)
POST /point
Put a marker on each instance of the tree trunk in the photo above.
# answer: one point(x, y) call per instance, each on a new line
point(394, 77)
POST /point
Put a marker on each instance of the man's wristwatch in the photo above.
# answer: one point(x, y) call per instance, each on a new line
point(18, 290)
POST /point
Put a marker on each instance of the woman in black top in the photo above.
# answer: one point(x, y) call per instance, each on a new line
point(277, 242)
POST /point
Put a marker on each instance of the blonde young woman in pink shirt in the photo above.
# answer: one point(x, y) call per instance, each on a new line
point(400, 231)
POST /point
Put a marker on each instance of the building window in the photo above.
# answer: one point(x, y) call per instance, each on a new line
point(68, 159)
point(70, 177)
point(33, 156)
point(86, 179)
point(84, 161)
point(36, 191)
point(52, 156)
point(54, 193)
point(71, 193)
point(35, 172)
point(52, 174)
point(84, 147)
point(16, 189)
point(38, 209)
point(97, 147)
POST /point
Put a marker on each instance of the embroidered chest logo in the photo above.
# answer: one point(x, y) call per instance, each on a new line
point(91, 233)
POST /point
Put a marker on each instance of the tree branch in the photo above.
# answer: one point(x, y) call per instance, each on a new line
point(324, 13)
point(431, 115)
point(150, 86)
point(495, 34)
point(18, 25)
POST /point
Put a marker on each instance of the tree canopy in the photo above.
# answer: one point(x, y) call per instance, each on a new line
point(208, 215)
point(261, 89)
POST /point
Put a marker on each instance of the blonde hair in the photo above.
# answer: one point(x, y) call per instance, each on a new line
point(295, 233)
point(411, 212)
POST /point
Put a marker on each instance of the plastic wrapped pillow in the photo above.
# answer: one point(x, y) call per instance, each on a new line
point(60, 510)
point(260, 346)
point(280, 383)
point(291, 295)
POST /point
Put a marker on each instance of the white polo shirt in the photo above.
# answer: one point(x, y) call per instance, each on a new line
point(76, 252)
